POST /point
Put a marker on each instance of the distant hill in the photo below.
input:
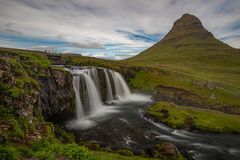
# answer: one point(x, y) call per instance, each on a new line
point(189, 48)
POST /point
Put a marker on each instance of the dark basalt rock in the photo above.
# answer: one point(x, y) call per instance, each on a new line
point(166, 150)
point(56, 93)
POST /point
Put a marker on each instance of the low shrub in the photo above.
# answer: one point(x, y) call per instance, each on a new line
point(8, 153)
point(44, 155)
point(43, 149)
point(25, 152)
point(125, 152)
point(75, 152)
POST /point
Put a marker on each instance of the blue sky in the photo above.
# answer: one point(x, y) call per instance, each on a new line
point(111, 29)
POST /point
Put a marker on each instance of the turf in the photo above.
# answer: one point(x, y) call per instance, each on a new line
point(98, 155)
point(194, 118)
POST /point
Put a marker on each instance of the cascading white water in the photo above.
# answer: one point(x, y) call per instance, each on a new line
point(121, 88)
point(88, 99)
point(109, 87)
point(125, 91)
point(87, 86)
point(93, 72)
point(94, 99)
point(79, 108)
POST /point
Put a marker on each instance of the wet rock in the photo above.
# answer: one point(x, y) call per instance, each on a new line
point(166, 150)
point(3, 139)
point(189, 123)
point(165, 113)
point(1, 73)
point(56, 93)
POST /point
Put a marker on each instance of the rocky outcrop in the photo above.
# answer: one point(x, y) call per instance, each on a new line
point(14, 97)
point(56, 93)
point(32, 92)
point(166, 151)
point(29, 88)
point(184, 97)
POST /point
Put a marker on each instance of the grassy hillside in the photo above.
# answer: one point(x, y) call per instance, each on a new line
point(190, 49)
point(192, 118)
point(191, 58)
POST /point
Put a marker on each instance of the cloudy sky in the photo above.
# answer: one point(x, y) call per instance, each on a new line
point(113, 29)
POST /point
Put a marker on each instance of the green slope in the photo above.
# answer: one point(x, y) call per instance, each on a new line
point(189, 48)
point(192, 118)
point(189, 57)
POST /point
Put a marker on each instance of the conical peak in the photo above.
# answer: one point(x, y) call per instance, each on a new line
point(187, 25)
point(187, 20)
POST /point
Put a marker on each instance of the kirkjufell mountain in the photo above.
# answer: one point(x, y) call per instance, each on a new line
point(189, 41)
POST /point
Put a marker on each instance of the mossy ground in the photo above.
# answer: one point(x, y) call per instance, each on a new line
point(99, 155)
point(194, 118)
point(46, 150)
point(25, 67)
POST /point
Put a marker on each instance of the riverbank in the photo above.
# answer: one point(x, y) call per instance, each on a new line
point(190, 118)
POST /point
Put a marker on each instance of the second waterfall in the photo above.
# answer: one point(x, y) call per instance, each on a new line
point(95, 87)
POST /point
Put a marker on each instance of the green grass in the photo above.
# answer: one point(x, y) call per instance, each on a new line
point(110, 156)
point(194, 118)
point(91, 61)
point(195, 61)
point(224, 94)
point(25, 66)
point(26, 56)
point(50, 149)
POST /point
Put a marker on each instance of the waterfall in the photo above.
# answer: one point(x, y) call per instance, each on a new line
point(121, 88)
point(94, 100)
point(79, 108)
point(125, 91)
point(85, 84)
point(88, 84)
point(87, 89)
point(109, 87)
point(94, 75)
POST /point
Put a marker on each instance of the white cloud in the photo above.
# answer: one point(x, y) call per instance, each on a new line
point(94, 22)
point(89, 45)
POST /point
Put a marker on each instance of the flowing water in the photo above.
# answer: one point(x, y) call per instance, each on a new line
point(109, 88)
point(121, 124)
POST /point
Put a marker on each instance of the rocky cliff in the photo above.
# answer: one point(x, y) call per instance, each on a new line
point(56, 93)
point(30, 85)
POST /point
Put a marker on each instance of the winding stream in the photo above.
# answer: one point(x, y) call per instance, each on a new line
point(121, 124)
